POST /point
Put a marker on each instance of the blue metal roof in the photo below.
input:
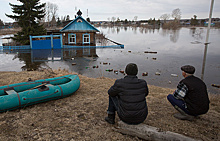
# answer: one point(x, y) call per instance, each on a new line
point(79, 24)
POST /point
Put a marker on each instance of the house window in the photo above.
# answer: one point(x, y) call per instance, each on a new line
point(72, 38)
point(86, 38)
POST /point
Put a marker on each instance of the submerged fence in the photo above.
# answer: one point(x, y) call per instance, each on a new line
point(64, 46)
point(110, 46)
point(15, 47)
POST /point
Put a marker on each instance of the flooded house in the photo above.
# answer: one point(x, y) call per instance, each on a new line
point(6, 40)
point(79, 32)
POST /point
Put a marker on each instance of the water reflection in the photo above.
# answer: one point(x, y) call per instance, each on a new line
point(196, 33)
point(144, 30)
point(118, 30)
point(26, 57)
point(62, 54)
point(174, 34)
point(35, 59)
point(134, 29)
point(113, 30)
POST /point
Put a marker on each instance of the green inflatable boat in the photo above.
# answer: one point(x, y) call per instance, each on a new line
point(23, 94)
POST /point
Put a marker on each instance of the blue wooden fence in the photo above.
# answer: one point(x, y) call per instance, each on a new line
point(52, 42)
point(46, 42)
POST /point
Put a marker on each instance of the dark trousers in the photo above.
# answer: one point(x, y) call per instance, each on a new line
point(113, 105)
point(177, 102)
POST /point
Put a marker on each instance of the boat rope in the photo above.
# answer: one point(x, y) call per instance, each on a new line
point(61, 90)
point(35, 83)
point(19, 99)
point(41, 96)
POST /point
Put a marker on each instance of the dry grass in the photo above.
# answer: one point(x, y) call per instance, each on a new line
point(81, 116)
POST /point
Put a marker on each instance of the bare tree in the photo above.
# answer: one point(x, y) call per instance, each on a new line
point(135, 18)
point(48, 15)
point(53, 22)
point(54, 9)
point(67, 18)
point(165, 17)
point(113, 19)
point(1, 23)
point(194, 21)
point(118, 19)
point(176, 14)
point(51, 11)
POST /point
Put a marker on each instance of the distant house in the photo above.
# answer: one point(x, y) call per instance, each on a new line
point(206, 24)
point(7, 41)
point(79, 32)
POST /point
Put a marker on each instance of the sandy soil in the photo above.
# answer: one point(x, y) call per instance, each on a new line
point(81, 116)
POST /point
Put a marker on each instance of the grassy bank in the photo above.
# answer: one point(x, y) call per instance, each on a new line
point(81, 116)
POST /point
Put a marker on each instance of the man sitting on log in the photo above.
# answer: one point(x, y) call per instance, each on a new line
point(191, 97)
point(127, 97)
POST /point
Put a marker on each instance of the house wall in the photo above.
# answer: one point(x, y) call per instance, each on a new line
point(79, 38)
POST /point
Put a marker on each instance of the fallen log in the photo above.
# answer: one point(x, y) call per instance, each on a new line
point(146, 132)
point(154, 52)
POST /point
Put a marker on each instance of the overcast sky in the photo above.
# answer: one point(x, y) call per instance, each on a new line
point(125, 9)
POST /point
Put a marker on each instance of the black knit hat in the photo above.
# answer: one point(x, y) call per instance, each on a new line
point(188, 69)
point(131, 69)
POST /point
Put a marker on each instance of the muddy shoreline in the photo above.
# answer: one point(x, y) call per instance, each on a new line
point(81, 116)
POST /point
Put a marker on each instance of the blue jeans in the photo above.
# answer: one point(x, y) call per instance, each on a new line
point(113, 105)
point(177, 102)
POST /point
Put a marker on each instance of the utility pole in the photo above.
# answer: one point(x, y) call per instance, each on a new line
point(207, 39)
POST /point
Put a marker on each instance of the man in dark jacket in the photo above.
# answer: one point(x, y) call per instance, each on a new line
point(127, 97)
point(191, 97)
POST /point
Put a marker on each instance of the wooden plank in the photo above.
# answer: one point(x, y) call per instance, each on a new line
point(146, 132)
point(11, 92)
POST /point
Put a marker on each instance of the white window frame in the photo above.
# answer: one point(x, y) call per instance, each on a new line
point(86, 38)
point(72, 38)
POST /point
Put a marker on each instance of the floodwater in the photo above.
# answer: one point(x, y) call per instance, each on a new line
point(171, 49)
